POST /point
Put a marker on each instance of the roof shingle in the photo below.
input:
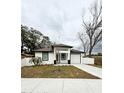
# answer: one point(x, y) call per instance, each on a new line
point(43, 50)
point(62, 45)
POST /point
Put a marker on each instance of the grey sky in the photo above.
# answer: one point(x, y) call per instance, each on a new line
point(58, 19)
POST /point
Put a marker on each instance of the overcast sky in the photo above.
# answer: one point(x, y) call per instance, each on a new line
point(60, 20)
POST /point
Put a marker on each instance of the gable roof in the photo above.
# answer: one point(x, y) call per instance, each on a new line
point(43, 50)
point(50, 49)
point(76, 51)
point(62, 45)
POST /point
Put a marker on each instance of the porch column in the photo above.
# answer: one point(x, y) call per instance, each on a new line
point(54, 56)
point(69, 62)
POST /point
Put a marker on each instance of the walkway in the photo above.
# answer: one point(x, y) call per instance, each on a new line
point(90, 69)
point(44, 85)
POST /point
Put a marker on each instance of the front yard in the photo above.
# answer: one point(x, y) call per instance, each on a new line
point(52, 71)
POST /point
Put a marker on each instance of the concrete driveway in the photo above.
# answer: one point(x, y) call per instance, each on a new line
point(44, 85)
point(90, 69)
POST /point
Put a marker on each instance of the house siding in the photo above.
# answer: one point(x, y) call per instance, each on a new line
point(72, 58)
point(50, 59)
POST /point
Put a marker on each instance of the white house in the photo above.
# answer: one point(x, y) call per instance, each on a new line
point(59, 54)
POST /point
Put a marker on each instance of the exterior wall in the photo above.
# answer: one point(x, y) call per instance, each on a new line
point(87, 60)
point(38, 54)
point(50, 59)
point(75, 58)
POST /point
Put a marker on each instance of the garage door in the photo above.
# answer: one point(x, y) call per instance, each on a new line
point(75, 58)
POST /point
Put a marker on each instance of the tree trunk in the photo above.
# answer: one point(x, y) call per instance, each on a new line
point(85, 54)
point(22, 47)
point(90, 51)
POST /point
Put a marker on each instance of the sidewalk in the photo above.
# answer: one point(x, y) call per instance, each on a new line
point(44, 85)
point(90, 69)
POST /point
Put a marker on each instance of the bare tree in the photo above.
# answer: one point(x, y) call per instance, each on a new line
point(93, 26)
point(85, 42)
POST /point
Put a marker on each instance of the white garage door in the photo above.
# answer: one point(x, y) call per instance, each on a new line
point(75, 58)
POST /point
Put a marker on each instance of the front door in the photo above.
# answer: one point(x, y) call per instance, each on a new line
point(63, 58)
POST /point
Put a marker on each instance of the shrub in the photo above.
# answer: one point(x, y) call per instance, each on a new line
point(36, 60)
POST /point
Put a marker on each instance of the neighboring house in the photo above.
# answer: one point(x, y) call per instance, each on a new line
point(25, 58)
point(59, 54)
point(24, 55)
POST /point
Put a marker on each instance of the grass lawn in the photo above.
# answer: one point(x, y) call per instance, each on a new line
point(99, 66)
point(51, 71)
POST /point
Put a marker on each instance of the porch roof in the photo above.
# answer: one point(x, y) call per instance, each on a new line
point(62, 45)
point(76, 51)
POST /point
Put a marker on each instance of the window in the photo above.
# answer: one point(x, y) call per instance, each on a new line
point(63, 56)
point(45, 56)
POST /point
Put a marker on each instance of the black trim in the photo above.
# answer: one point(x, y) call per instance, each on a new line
point(75, 53)
point(62, 45)
point(69, 62)
point(54, 61)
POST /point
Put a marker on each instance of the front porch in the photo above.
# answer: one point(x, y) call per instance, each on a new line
point(62, 56)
